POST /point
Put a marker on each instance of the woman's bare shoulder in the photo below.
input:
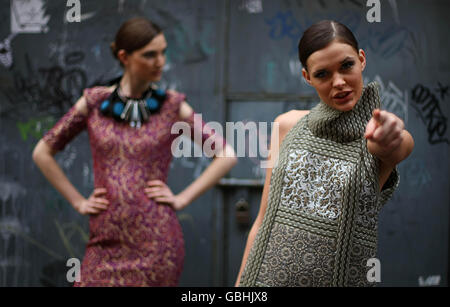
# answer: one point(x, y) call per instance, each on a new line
point(111, 88)
point(289, 119)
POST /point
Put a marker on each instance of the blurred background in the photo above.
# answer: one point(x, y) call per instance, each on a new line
point(237, 61)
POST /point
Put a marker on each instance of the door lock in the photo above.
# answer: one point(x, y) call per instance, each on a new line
point(242, 212)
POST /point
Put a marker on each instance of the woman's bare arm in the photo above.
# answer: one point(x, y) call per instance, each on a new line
point(388, 141)
point(43, 156)
point(223, 162)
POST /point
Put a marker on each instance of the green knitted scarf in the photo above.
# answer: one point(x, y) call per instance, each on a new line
point(320, 225)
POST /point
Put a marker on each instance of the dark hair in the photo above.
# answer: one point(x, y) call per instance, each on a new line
point(320, 35)
point(134, 34)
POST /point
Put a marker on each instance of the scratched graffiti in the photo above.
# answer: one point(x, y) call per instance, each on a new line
point(10, 211)
point(355, 3)
point(251, 6)
point(186, 46)
point(392, 98)
point(67, 232)
point(35, 127)
point(46, 87)
point(442, 90)
point(166, 84)
point(16, 238)
point(28, 16)
point(386, 41)
point(430, 281)
point(70, 234)
point(416, 174)
point(295, 67)
point(429, 110)
point(67, 157)
point(6, 58)
point(88, 175)
point(285, 25)
point(393, 4)
point(254, 145)
point(197, 164)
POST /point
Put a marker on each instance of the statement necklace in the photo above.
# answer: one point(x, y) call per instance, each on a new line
point(134, 111)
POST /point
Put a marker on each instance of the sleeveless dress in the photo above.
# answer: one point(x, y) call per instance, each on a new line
point(136, 241)
point(320, 225)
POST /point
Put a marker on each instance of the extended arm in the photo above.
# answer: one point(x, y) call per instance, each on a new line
point(388, 141)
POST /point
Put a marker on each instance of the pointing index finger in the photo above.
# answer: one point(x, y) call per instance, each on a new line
point(379, 116)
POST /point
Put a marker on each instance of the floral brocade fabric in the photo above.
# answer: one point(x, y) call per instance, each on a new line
point(136, 241)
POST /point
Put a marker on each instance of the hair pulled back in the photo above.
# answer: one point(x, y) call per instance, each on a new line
point(320, 35)
point(134, 34)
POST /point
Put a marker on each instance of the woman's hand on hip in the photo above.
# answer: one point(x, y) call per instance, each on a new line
point(95, 204)
point(161, 193)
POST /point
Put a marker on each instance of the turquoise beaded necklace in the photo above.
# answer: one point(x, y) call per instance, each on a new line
point(134, 111)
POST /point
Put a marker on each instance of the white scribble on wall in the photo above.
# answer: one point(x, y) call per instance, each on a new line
point(417, 175)
point(10, 190)
point(169, 85)
point(10, 226)
point(83, 17)
point(28, 16)
point(87, 16)
point(251, 6)
point(12, 262)
point(198, 164)
point(5, 51)
point(120, 6)
point(394, 7)
point(67, 157)
point(430, 281)
point(393, 99)
point(295, 67)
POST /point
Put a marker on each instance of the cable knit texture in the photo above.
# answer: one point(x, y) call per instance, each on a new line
point(320, 225)
point(328, 123)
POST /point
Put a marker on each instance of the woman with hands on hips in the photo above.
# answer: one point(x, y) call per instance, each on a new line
point(135, 238)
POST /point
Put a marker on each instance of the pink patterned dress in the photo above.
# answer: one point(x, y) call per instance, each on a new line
point(136, 241)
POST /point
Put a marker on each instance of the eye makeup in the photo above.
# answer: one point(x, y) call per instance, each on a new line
point(346, 64)
point(320, 74)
